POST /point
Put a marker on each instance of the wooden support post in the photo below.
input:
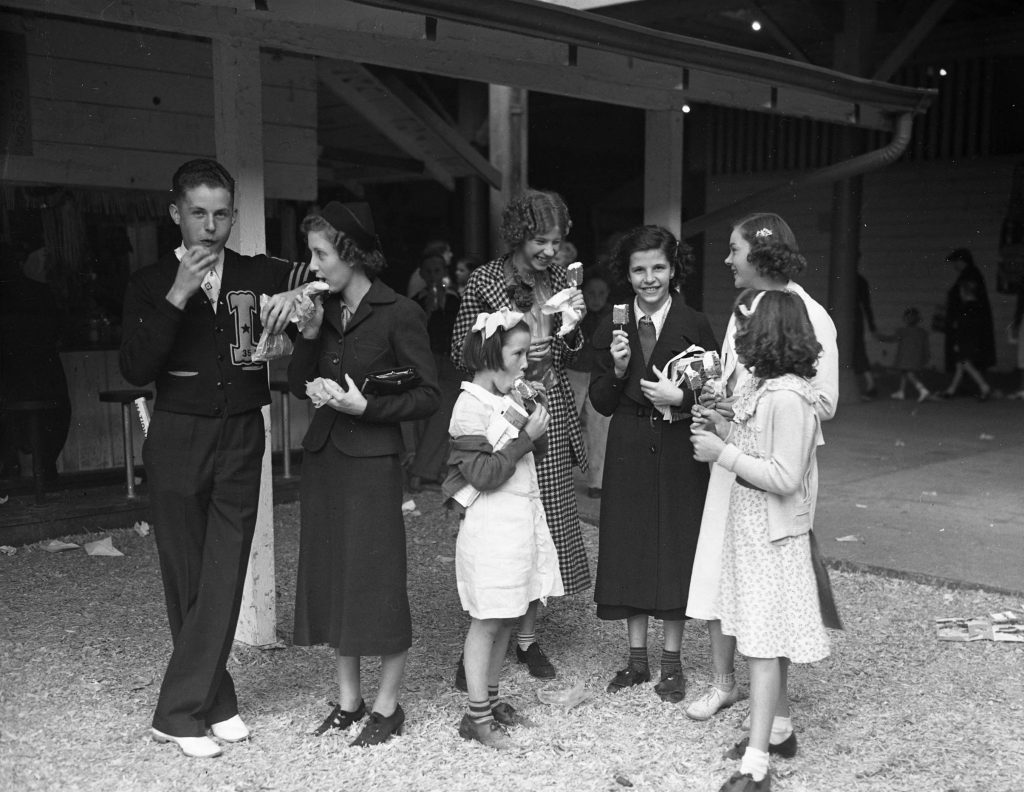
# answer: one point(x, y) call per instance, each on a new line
point(509, 151)
point(472, 117)
point(851, 56)
point(238, 135)
point(663, 169)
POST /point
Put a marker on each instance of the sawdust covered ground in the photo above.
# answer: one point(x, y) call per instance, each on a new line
point(83, 642)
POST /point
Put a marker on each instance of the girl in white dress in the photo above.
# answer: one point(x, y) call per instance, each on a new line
point(504, 556)
point(763, 254)
point(768, 597)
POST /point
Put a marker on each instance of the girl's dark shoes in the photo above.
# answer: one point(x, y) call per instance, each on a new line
point(785, 749)
point(744, 782)
point(340, 719)
point(491, 733)
point(671, 688)
point(536, 660)
point(628, 677)
point(379, 729)
point(507, 715)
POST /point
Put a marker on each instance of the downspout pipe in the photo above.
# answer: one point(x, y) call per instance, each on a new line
point(847, 169)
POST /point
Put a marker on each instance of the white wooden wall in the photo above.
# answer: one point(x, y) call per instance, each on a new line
point(914, 214)
point(118, 108)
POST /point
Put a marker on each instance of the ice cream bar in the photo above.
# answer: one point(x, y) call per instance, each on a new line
point(574, 273)
point(531, 393)
point(620, 315)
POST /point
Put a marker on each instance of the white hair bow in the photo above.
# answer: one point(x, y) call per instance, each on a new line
point(487, 323)
point(748, 312)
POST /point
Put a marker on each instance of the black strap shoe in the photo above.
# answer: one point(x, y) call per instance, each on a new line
point(379, 729)
point(340, 719)
point(784, 750)
point(628, 677)
point(744, 782)
point(537, 661)
point(671, 687)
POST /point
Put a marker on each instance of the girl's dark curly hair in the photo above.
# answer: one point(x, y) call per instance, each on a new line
point(534, 212)
point(371, 262)
point(774, 252)
point(651, 237)
point(777, 337)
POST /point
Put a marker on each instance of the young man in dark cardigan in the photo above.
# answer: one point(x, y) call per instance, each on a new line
point(191, 323)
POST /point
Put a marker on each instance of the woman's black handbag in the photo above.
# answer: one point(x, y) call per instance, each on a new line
point(391, 381)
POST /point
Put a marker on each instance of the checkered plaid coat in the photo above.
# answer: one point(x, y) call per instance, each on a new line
point(486, 292)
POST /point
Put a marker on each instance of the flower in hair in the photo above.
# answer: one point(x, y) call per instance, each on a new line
point(763, 233)
point(487, 323)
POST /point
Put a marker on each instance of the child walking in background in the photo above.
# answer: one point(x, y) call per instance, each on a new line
point(504, 557)
point(767, 596)
point(911, 353)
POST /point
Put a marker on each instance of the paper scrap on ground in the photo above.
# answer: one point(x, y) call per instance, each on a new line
point(4, 499)
point(102, 547)
point(986, 436)
point(565, 697)
point(141, 528)
point(1003, 626)
point(408, 506)
point(848, 538)
point(56, 546)
point(8, 550)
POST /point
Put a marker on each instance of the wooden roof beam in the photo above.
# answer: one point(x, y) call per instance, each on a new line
point(776, 32)
point(920, 30)
point(451, 136)
point(337, 76)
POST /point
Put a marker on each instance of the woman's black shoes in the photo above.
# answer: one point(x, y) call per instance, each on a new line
point(744, 782)
point(340, 719)
point(536, 661)
point(378, 729)
point(785, 749)
point(628, 677)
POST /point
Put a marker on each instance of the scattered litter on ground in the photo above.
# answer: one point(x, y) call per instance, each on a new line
point(899, 443)
point(142, 528)
point(102, 547)
point(930, 493)
point(986, 436)
point(408, 506)
point(557, 694)
point(1001, 626)
point(8, 550)
point(57, 546)
point(849, 538)
point(861, 505)
point(446, 559)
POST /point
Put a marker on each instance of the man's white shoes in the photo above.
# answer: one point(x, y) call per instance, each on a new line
point(711, 702)
point(231, 730)
point(196, 747)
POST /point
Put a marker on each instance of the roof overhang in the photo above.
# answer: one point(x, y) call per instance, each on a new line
point(525, 43)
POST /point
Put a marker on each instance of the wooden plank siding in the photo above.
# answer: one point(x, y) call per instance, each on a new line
point(113, 107)
point(914, 214)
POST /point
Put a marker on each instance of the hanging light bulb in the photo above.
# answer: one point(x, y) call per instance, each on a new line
point(755, 25)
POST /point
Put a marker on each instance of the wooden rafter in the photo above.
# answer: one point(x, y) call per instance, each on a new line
point(776, 32)
point(451, 136)
point(369, 97)
point(924, 25)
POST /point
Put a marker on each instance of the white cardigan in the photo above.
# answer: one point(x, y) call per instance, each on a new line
point(788, 433)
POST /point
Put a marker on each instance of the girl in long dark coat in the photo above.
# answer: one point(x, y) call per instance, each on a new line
point(653, 489)
point(351, 590)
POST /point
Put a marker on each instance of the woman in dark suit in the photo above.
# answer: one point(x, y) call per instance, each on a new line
point(653, 488)
point(351, 590)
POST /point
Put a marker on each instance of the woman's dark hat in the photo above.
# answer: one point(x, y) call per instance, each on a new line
point(961, 254)
point(355, 221)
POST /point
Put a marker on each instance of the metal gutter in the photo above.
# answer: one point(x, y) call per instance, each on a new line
point(855, 166)
point(571, 27)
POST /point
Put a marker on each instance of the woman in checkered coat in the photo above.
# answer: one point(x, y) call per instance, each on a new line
point(533, 227)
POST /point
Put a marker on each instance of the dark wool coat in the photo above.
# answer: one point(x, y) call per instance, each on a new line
point(351, 589)
point(653, 489)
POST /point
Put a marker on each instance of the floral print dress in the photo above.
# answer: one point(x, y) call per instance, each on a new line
point(767, 594)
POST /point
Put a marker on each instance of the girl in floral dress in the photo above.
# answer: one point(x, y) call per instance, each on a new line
point(767, 596)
